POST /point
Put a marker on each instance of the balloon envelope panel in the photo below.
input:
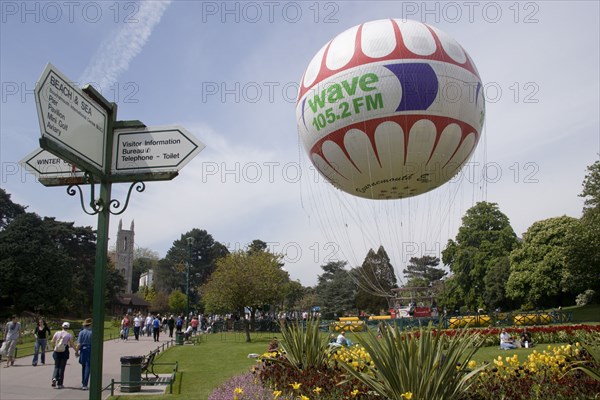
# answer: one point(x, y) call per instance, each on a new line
point(390, 109)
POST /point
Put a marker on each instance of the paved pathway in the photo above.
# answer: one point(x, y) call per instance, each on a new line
point(26, 382)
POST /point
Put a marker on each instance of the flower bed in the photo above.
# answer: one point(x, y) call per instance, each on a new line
point(546, 373)
point(544, 334)
point(543, 375)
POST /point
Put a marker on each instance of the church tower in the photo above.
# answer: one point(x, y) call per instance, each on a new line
point(124, 254)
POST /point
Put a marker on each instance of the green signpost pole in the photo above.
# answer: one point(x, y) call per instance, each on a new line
point(101, 256)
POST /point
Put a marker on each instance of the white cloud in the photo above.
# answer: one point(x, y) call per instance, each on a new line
point(116, 52)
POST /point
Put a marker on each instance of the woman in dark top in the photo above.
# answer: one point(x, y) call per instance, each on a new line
point(41, 333)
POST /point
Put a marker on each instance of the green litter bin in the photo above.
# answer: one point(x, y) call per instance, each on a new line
point(131, 373)
point(178, 338)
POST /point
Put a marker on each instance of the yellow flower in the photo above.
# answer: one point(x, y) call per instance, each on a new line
point(407, 395)
point(303, 397)
point(354, 393)
point(295, 385)
point(277, 393)
point(238, 390)
point(472, 364)
point(317, 390)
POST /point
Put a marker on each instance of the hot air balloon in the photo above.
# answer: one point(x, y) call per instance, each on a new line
point(390, 109)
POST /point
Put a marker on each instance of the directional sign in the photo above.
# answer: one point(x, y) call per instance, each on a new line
point(70, 119)
point(153, 149)
point(52, 170)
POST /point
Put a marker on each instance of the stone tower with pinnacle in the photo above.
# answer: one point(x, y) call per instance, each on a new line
point(124, 253)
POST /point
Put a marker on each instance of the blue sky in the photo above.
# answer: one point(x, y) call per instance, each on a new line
point(228, 72)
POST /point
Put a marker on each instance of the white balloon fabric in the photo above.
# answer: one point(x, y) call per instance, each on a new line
point(390, 109)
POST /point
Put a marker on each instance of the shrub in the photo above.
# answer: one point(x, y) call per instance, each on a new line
point(427, 364)
point(585, 298)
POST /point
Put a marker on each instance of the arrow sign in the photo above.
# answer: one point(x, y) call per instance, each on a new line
point(153, 149)
point(52, 170)
point(70, 119)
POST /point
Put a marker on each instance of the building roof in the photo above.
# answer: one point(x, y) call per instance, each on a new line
point(132, 300)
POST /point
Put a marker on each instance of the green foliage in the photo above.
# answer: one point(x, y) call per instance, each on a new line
point(245, 279)
point(583, 240)
point(582, 253)
point(484, 236)
point(423, 271)
point(591, 187)
point(375, 279)
point(585, 298)
point(177, 301)
point(425, 363)
point(495, 282)
point(171, 272)
point(303, 346)
point(335, 290)
point(592, 369)
point(538, 265)
point(8, 210)
point(293, 292)
point(37, 273)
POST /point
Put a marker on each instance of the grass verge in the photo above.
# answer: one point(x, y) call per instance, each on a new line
point(207, 365)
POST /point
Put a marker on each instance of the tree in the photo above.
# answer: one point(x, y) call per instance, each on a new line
point(8, 210)
point(245, 280)
point(537, 266)
point(79, 243)
point(376, 279)
point(177, 301)
point(257, 245)
point(336, 290)
point(591, 188)
point(583, 240)
point(484, 236)
point(495, 284)
point(423, 271)
point(171, 272)
point(36, 272)
point(48, 265)
point(293, 292)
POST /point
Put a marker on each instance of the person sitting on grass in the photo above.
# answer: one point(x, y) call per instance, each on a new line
point(273, 345)
point(506, 342)
point(526, 338)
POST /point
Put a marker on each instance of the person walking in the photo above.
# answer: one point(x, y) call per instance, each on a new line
point(12, 333)
point(125, 324)
point(156, 327)
point(84, 351)
point(61, 340)
point(149, 325)
point(171, 324)
point(137, 326)
point(41, 333)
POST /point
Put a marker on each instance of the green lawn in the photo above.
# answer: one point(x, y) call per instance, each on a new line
point(582, 314)
point(207, 365)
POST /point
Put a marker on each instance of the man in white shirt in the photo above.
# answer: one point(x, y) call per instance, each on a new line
point(149, 325)
point(137, 326)
point(506, 342)
point(341, 339)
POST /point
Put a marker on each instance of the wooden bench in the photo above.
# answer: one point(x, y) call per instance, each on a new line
point(194, 339)
point(148, 363)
